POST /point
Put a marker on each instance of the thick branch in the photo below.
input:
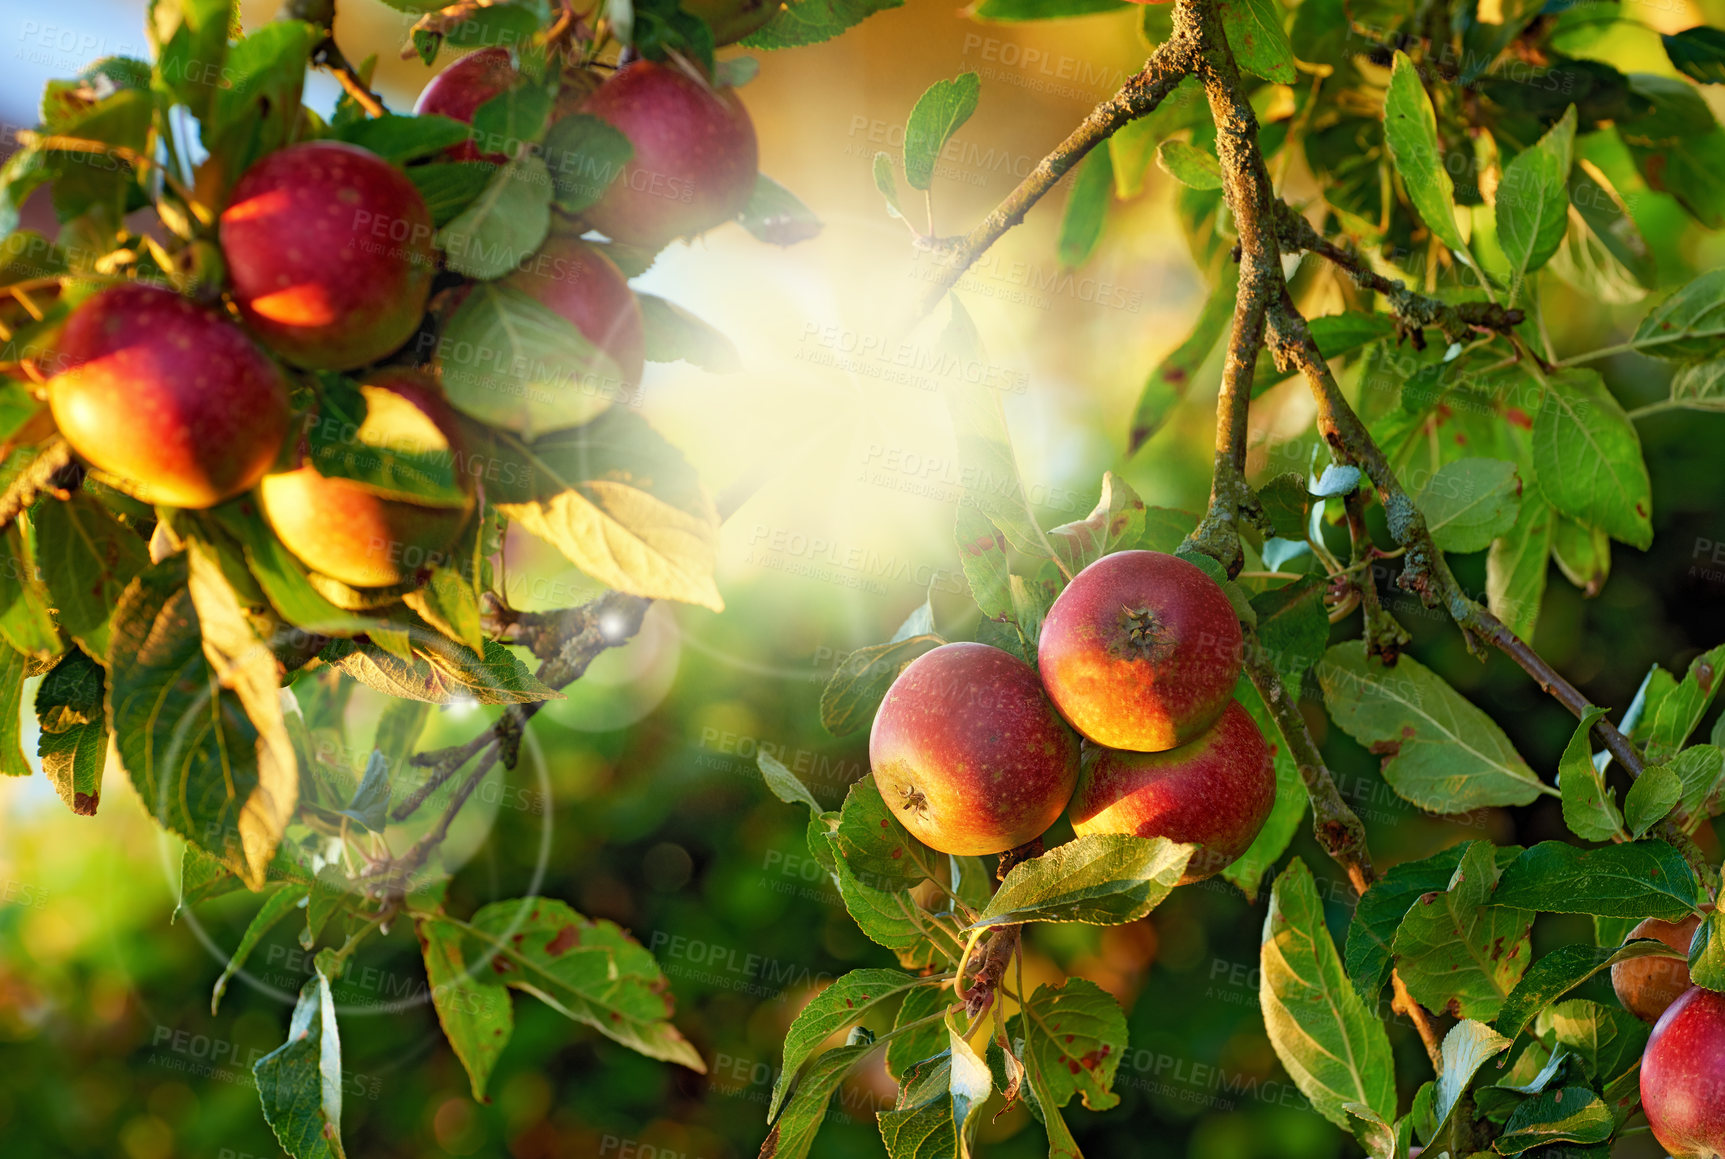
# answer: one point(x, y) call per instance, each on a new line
point(1414, 312)
point(1139, 96)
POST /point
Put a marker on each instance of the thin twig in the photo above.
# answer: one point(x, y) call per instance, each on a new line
point(330, 57)
point(1140, 95)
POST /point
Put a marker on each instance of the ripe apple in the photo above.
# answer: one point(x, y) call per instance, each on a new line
point(459, 90)
point(169, 397)
point(731, 20)
point(1141, 651)
point(579, 282)
point(1646, 986)
point(969, 754)
point(1683, 1073)
point(1216, 791)
point(329, 250)
point(694, 161)
point(354, 532)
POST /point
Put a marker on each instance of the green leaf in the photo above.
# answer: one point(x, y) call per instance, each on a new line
point(369, 805)
point(1533, 202)
point(583, 156)
point(1470, 502)
point(982, 554)
point(777, 216)
point(879, 850)
point(472, 1006)
point(1086, 205)
point(1583, 553)
point(1677, 145)
point(513, 363)
point(1689, 324)
point(277, 905)
point(675, 335)
point(1260, 43)
point(909, 1045)
point(446, 602)
point(1589, 804)
point(1466, 1048)
point(451, 186)
point(513, 120)
point(1379, 1138)
point(448, 675)
point(1116, 520)
point(1410, 130)
point(887, 183)
point(938, 1107)
point(1700, 385)
point(196, 758)
point(1587, 458)
point(1515, 567)
point(1698, 771)
point(1327, 1039)
point(381, 439)
point(1458, 951)
point(1706, 955)
point(191, 42)
point(1381, 910)
point(87, 559)
point(1698, 53)
point(1639, 879)
point(587, 970)
point(504, 224)
point(1569, 1115)
point(851, 696)
point(794, 1133)
point(12, 761)
point(1074, 1038)
point(300, 1082)
point(1293, 627)
point(1439, 751)
point(802, 22)
point(1015, 11)
point(26, 609)
point(784, 783)
point(399, 140)
point(1248, 870)
point(1172, 377)
point(890, 918)
point(621, 504)
point(943, 107)
point(257, 106)
point(1679, 711)
point(1608, 1039)
point(1561, 971)
point(282, 577)
point(1651, 798)
point(845, 1003)
point(73, 744)
point(1189, 165)
point(1100, 879)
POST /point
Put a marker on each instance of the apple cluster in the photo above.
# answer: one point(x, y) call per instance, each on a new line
point(190, 403)
point(1128, 724)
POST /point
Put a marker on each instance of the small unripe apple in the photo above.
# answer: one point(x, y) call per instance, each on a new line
point(1683, 1076)
point(1141, 651)
point(169, 397)
point(695, 155)
point(577, 281)
point(353, 532)
point(1216, 791)
point(329, 250)
point(969, 754)
point(1646, 986)
point(731, 20)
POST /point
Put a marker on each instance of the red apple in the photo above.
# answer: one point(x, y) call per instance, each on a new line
point(354, 532)
point(969, 754)
point(459, 90)
point(329, 250)
point(1215, 791)
point(577, 281)
point(1646, 986)
point(695, 156)
point(169, 397)
point(1141, 651)
point(1683, 1076)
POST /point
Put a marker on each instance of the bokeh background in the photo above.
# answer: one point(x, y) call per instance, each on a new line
point(645, 774)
